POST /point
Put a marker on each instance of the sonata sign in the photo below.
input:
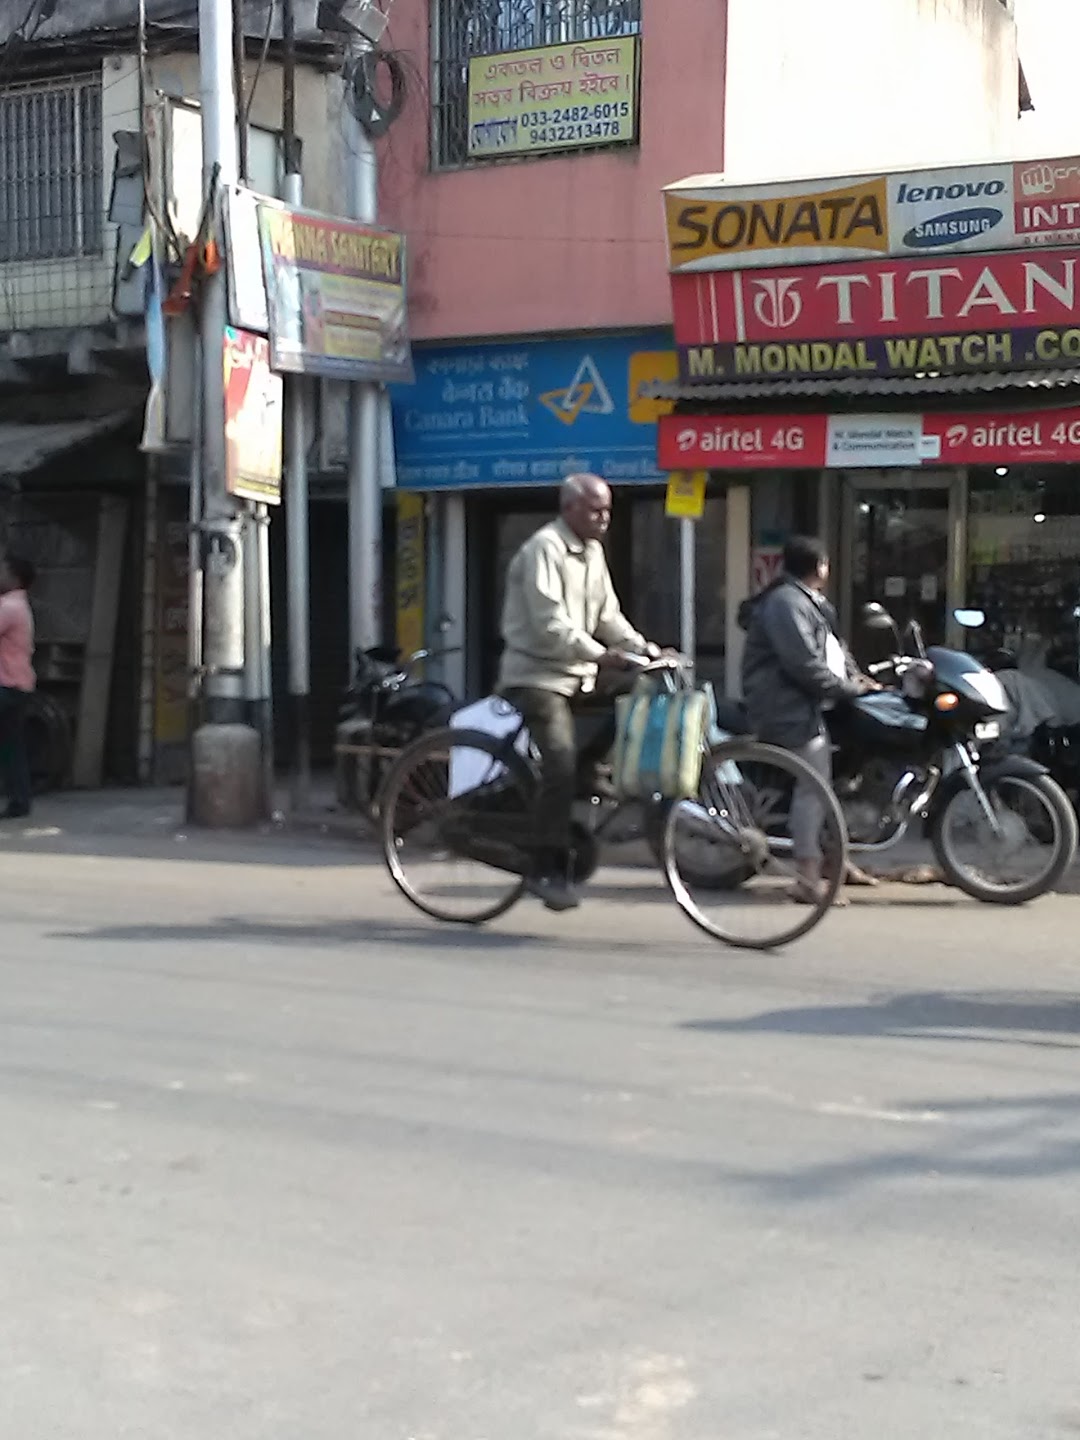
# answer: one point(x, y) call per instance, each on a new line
point(815, 442)
point(880, 318)
point(713, 225)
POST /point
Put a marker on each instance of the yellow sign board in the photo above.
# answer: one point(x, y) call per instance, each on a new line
point(704, 230)
point(560, 97)
point(651, 367)
point(410, 572)
point(686, 494)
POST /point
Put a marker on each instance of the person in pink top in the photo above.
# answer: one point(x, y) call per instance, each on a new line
point(17, 678)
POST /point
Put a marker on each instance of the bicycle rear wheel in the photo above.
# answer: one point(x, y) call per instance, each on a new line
point(454, 811)
point(742, 811)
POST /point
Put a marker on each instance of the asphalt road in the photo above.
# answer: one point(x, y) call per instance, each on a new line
point(281, 1161)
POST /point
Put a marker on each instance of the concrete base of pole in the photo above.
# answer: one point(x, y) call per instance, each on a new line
point(226, 777)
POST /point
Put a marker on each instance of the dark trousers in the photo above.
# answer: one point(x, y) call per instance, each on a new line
point(550, 718)
point(13, 707)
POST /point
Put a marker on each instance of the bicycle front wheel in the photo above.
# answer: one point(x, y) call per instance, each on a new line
point(743, 813)
point(455, 814)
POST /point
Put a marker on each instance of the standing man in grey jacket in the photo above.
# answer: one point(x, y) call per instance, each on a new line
point(793, 668)
point(562, 627)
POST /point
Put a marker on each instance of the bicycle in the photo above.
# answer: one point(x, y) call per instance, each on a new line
point(460, 798)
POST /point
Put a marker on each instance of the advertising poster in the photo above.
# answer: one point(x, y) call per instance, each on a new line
point(561, 97)
point(254, 415)
point(410, 573)
point(336, 296)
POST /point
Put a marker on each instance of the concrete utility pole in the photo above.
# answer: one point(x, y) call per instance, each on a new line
point(365, 494)
point(296, 474)
point(226, 779)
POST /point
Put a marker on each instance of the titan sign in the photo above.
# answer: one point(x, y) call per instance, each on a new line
point(712, 225)
point(899, 317)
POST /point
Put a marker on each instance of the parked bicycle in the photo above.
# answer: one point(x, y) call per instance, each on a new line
point(385, 708)
point(456, 820)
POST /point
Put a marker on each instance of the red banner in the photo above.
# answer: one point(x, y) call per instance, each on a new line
point(814, 442)
point(963, 294)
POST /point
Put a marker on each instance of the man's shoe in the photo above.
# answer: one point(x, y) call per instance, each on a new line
point(15, 812)
point(555, 891)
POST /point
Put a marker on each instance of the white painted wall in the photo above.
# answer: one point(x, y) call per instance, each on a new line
point(842, 86)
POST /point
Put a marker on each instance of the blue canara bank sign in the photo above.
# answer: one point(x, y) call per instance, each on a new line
point(530, 412)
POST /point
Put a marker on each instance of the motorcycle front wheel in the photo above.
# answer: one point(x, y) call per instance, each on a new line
point(1021, 857)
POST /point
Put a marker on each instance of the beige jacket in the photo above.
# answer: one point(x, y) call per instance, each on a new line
point(560, 613)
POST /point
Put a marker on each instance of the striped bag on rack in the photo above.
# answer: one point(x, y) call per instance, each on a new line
point(658, 744)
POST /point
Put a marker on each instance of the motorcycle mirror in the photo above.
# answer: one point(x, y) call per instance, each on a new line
point(876, 617)
point(970, 619)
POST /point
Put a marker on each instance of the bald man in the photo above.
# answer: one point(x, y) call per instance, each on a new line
point(561, 626)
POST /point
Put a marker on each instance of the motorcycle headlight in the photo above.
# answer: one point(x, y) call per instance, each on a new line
point(989, 687)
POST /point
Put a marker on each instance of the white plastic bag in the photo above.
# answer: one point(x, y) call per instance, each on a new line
point(470, 768)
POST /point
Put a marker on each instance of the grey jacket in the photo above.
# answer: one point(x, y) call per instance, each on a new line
point(786, 678)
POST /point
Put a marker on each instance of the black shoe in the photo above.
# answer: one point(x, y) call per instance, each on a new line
point(15, 812)
point(555, 891)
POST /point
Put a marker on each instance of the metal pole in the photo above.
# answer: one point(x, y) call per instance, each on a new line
point(225, 771)
point(195, 579)
point(687, 588)
point(238, 86)
point(365, 497)
point(297, 542)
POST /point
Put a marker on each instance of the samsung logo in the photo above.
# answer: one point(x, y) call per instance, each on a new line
point(951, 228)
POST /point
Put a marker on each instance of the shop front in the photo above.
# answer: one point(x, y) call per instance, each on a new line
point(487, 433)
point(891, 361)
point(926, 514)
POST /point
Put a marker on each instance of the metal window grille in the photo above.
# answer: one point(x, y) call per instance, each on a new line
point(464, 28)
point(51, 204)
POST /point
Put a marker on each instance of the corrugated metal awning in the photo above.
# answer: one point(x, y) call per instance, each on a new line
point(24, 448)
point(1035, 382)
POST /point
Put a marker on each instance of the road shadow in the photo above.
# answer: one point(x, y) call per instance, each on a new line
point(1017, 1017)
point(300, 848)
point(227, 929)
point(961, 1143)
point(926, 1142)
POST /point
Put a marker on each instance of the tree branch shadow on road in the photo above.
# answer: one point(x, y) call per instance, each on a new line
point(1022, 1138)
point(993, 1138)
point(998, 1018)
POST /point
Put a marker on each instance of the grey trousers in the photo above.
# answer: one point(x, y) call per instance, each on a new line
point(807, 813)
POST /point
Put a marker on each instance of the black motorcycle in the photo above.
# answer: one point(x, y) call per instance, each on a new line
point(385, 708)
point(926, 751)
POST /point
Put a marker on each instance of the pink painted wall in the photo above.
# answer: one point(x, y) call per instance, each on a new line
point(559, 243)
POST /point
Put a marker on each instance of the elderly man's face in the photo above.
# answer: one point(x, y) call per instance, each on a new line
point(589, 515)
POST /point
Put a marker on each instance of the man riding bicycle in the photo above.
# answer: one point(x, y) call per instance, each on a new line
point(565, 639)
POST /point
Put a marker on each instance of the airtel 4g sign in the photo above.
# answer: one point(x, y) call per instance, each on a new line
point(859, 442)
